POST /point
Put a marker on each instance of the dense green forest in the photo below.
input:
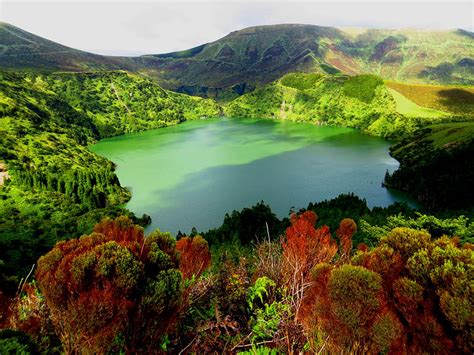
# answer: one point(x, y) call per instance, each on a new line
point(437, 165)
point(57, 187)
point(361, 102)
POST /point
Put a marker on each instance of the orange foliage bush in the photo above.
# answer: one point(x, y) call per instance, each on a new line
point(110, 283)
point(346, 230)
point(410, 294)
point(306, 246)
point(303, 248)
point(195, 256)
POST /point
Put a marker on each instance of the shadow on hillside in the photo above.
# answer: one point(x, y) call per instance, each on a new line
point(457, 98)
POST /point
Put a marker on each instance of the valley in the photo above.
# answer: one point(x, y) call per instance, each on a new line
point(49, 119)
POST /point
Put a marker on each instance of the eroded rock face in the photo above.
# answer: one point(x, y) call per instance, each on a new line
point(383, 48)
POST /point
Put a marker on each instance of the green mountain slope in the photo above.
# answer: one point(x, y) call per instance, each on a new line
point(118, 102)
point(259, 55)
point(362, 102)
point(437, 165)
point(57, 188)
point(48, 120)
point(20, 49)
point(248, 58)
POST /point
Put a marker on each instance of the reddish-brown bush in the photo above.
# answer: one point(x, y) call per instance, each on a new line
point(112, 283)
point(348, 306)
point(194, 256)
point(304, 246)
point(346, 230)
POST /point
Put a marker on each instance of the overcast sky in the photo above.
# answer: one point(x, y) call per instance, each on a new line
point(141, 27)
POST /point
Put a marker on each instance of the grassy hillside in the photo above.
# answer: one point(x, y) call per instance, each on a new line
point(57, 187)
point(437, 165)
point(362, 102)
point(455, 99)
point(410, 109)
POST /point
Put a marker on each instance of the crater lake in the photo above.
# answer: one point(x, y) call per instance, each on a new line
point(191, 174)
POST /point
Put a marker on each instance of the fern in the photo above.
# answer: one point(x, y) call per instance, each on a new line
point(259, 289)
point(261, 350)
point(267, 320)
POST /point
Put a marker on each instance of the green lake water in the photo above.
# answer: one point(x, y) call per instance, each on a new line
point(190, 175)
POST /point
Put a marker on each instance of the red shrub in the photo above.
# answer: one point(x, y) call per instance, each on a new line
point(303, 248)
point(194, 256)
point(346, 230)
point(110, 283)
point(306, 246)
point(348, 304)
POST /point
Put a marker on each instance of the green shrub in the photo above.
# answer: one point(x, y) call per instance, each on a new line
point(15, 342)
point(266, 321)
point(258, 290)
point(300, 81)
point(362, 87)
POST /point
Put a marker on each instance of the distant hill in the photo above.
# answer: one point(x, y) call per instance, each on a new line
point(245, 59)
point(20, 49)
point(251, 56)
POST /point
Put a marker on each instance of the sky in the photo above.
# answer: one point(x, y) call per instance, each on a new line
point(147, 27)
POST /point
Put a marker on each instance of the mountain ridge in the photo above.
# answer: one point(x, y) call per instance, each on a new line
point(21, 49)
point(248, 58)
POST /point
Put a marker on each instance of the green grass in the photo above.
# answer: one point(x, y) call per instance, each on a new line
point(300, 81)
point(446, 98)
point(410, 109)
point(362, 87)
point(449, 134)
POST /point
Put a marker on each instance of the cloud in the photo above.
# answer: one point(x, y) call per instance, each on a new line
point(131, 28)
